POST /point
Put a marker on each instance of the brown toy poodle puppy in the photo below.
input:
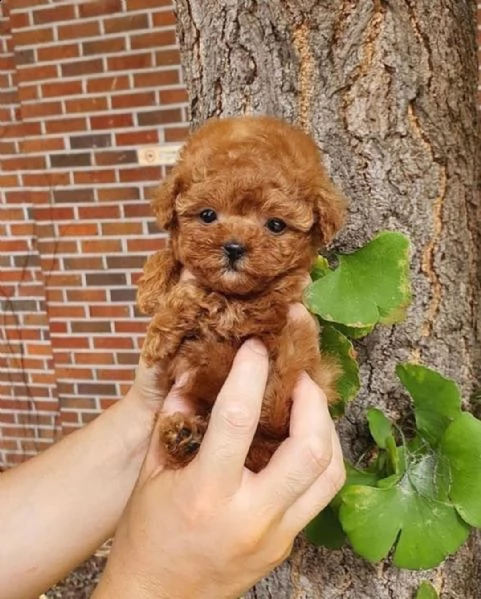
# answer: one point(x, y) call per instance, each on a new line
point(248, 205)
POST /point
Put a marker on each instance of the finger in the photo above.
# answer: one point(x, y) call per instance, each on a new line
point(304, 456)
point(319, 494)
point(235, 417)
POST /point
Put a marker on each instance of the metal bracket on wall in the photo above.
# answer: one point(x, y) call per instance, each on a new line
point(163, 155)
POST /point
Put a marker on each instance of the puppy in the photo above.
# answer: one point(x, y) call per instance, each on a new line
point(248, 205)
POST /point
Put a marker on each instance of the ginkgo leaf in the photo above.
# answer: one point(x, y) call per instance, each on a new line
point(423, 530)
point(426, 591)
point(326, 530)
point(437, 401)
point(369, 286)
point(461, 446)
point(334, 343)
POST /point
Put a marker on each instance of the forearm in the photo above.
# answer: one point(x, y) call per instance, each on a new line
point(57, 508)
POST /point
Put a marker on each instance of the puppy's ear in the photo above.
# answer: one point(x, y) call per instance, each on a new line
point(163, 200)
point(330, 206)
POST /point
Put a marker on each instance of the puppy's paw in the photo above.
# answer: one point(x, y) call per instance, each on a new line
point(181, 436)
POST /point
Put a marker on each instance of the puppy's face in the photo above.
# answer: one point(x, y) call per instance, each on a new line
point(247, 203)
point(237, 238)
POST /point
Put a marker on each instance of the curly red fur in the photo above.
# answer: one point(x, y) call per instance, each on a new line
point(246, 170)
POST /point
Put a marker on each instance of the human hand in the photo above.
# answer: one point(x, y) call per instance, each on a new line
point(212, 529)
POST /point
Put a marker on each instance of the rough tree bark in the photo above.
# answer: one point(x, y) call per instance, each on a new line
point(388, 89)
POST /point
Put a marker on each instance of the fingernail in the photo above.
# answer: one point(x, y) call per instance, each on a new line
point(256, 346)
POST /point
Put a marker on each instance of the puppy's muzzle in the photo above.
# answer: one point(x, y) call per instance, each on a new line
point(234, 251)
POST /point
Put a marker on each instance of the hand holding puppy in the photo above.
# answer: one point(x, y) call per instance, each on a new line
point(214, 528)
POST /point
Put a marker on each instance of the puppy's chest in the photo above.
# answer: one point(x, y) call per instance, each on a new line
point(228, 318)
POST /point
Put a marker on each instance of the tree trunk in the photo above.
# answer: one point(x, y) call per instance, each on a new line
point(388, 89)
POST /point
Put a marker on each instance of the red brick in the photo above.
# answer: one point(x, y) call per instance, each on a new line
point(57, 247)
point(156, 39)
point(24, 163)
point(17, 197)
point(38, 350)
point(28, 92)
point(34, 36)
point(78, 230)
point(173, 96)
point(58, 52)
point(108, 84)
point(99, 7)
point(58, 327)
point(98, 212)
point(146, 4)
point(134, 138)
point(91, 104)
point(50, 180)
point(94, 358)
point(102, 246)
point(70, 342)
point(120, 228)
point(131, 100)
point(115, 342)
point(164, 18)
point(8, 181)
point(82, 67)
point(156, 78)
point(40, 109)
point(19, 20)
point(43, 144)
point(130, 327)
point(130, 62)
point(37, 73)
point(66, 311)
point(145, 245)
point(94, 177)
point(114, 157)
point(116, 375)
point(74, 373)
point(57, 13)
point(176, 134)
point(55, 279)
point(109, 311)
point(61, 88)
point(126, 23)
point(83, 263)
point(66, 125)
point(79, 30)
point(146, 173)
point(167, 57)
point(111, 121)
point(104, 46)
point(118, 194)
point(159, 117)
point(139, 209)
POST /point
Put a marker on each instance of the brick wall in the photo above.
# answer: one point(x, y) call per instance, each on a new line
point(85, 84)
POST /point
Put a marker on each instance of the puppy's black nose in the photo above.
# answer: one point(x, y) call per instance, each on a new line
point(234, 251)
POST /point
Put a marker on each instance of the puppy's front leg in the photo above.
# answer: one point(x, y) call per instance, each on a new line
point(176, 317)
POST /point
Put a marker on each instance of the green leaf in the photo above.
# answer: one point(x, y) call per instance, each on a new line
point(427, 530)
point(461, 445)
point(426, 591)
point(336, 344)
point(320, 268)
point(380, 427)
point(369, 286)
point(352, 332)
point(437, 401)
point(326, 530)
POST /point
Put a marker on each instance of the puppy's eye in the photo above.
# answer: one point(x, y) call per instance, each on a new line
point(208, 216)
point(276, 225)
